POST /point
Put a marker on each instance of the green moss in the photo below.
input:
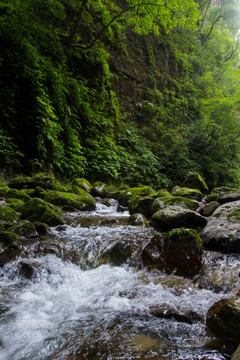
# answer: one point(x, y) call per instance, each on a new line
point(83, 183)
point(24, 228)
point(8, 215)
point(39, 210)
point(194, 194)
point(15, 204)
point(81, 201)
point(186, 234)
point(7, 238)
point(235, 214)
point(195, 181)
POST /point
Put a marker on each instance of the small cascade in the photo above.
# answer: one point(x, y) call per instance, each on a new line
point(85, 295)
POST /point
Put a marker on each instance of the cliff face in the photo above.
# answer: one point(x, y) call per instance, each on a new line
point(79, 97)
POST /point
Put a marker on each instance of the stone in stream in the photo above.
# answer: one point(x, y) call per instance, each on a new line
point(224, 195)
point(188, 193)
point(9, 246)
point(179, 252)
point(222, 231)
point(223, 319)
point(25, 229)
point(138, 220)
point(165, 311)
point(173, 217)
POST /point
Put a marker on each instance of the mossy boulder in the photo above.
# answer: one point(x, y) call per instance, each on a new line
point(8, 215)
point(24, 228)
point(222, 231)
point(83, 184)
point(188, 193)
point(179, 252)
point(210, 208)
point(162, 202)
point(7, 193)
point(102, 190)
point(81, 201)
point(224, 195)
point(9, 246)
point(143, 205)
point(41, 228)
point(40, 210)
point(173, 217)
point(223, 319)
point(15, 204)
point(125, 195)
point(138, 220)
point(43, 180)
point(195, 181)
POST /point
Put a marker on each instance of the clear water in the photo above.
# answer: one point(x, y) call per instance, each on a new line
point(93, 309)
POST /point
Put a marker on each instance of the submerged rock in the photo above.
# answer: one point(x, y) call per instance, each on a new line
point(175, 217)
point(165, 311)
point(222, 231)
point(179, 252)
point(223, 319)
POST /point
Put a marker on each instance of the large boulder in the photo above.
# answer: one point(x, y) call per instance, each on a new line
point(39, 210)
point(173, 217)
point(83, 184)
point(142, 205)
point(162, 202)
point(188, 193)
point(224, 195)
point(45, 181)
point(81, 201)
point(8, 215)
point(222, 231)
point(9, 246)
point(125, 195)
point(24, 228)
point(195, 181)
point(223, 319)
point(180, 252)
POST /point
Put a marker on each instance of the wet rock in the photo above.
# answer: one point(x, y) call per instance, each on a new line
point(224, 195)
point(195, 181)
point(42, 228)
point(223, 319)
point(108, 222)
point(121, 208)
point(8, 215)
point(141, 205)
point(120, 253)
point(9, 246)
point(175, 217)
point(83, 183)
point(163, 202)
point(108, 202)
point(81, 201)
point(177, 285)
point(165, 311)
point(27, 268)
point(15, 204)
point(143, 343)
point(39, 210)
point(210, 208)
point(49, 247)
point(188, 193)
point(236, 355)
point(179, 252)
point(222, 231)
point(24, 228)
point(138, 220)
point(62, 227)
point(124, 196)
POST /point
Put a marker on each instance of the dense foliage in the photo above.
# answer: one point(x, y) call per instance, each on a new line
point(124, 91)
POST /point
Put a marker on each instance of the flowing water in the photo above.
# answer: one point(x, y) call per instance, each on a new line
point(89, 298)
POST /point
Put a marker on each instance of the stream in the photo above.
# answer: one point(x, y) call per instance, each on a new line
point(89, 298)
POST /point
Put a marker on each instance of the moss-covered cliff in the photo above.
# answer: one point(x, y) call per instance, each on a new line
point(119, 91)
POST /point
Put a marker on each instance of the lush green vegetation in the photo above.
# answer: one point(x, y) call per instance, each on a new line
point(124, 91)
